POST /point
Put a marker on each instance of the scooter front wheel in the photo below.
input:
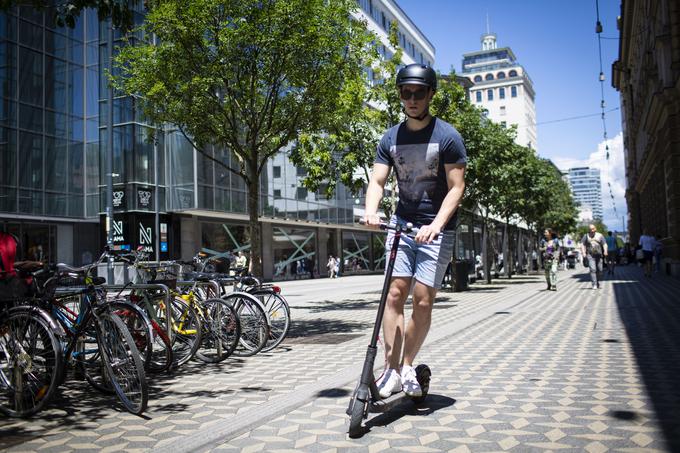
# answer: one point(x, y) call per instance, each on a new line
point(357, 412)
point(423, 375)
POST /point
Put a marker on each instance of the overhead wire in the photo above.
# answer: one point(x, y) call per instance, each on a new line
point(598, 32)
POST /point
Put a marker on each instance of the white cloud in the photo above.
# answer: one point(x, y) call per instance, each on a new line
point(612, 172)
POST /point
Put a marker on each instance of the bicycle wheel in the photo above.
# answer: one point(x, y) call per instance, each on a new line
point(138, 324)
point(162, 356)
point(30, 363)
point(278, 312)
point(187, 330)
point(122, 361)
point(221, 331)
point(254, 323)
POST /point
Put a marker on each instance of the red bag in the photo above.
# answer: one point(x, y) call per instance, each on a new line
point(8, 253)
point(11, 286)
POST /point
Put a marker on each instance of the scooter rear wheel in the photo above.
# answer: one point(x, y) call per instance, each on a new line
point(423, 375)
point(358, 411)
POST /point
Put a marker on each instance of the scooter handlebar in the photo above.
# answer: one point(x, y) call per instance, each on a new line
point(405, 227)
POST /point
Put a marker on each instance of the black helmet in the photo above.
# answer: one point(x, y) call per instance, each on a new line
point(417, 74)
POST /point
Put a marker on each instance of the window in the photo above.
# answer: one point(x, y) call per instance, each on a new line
point(512, 73)
point(503, 123)
point(488, 77)
point(478, 78)
point(500, 75)
point(277, 194)
point(502, 110)
point(489, 95)
point(479, 96)
point(501, 93)
point(301, 193)
point(277, 171)
point(299, 171)
point(513, 92)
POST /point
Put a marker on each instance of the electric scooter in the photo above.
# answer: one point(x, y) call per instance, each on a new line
point(366, 398)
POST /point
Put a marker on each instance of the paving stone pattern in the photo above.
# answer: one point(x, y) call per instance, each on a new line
point(575, 370)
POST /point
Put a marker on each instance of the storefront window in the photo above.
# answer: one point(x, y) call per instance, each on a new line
point(37, 242)
point(355, 251)
point(223, 239)
point(294, 252)
point(379, 251)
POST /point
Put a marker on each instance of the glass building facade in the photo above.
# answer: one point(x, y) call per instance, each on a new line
point(54, 131)
point(46, 76)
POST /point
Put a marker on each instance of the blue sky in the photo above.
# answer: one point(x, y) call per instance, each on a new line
point(557, 45)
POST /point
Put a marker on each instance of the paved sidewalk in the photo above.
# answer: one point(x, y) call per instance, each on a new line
point(515, 368)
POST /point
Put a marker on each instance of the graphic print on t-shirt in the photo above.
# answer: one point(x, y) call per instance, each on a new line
point(417, 182)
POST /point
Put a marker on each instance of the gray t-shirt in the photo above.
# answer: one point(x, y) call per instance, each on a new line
point(418, 159)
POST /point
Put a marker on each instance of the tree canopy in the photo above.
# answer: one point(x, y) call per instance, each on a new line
point(246, 75)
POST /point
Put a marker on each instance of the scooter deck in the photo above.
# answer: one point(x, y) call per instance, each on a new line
point(384, 405)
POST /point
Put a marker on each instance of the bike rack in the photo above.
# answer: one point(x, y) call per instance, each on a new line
point(213, 284)
point(157, 286)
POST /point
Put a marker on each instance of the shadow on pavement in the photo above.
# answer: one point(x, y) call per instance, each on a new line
point(432, 404)
point(76, 405)
point(323, 326)
point(649, 309)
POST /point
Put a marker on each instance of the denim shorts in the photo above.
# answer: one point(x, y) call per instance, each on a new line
point(426, 262)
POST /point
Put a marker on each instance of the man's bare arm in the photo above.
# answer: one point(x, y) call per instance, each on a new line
point(374, 193)
point(455, 178)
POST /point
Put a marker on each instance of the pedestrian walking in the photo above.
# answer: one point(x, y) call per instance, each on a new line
point(550, 250)
point(658, 253)
point(593, 248)
point(428, 158)
point(647, 244)
point(612, 252)
point(332, 267)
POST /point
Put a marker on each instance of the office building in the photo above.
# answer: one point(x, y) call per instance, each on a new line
point(503, 88)
point(586, 187)
point(54, 132)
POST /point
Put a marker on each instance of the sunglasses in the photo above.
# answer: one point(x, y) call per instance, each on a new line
point(418, 95)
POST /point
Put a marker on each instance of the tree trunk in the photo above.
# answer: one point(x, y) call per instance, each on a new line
point(520, 250)
point(505, 249)
point(485, 250)
point(254, 220)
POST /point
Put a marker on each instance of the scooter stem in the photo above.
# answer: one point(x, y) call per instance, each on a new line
point(386, 287)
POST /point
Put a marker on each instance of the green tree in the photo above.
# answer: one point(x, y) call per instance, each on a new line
point(345, 151)
point(246, 75)
point(492, 168)
point(66, 12)
point(551, 204)
point(582, 230)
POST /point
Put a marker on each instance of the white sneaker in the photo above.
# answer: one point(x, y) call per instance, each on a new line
point(389, 383)
point(410, 384)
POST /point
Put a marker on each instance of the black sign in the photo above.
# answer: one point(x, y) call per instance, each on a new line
point(144, 198)
point(133, 230)
point(119, 200)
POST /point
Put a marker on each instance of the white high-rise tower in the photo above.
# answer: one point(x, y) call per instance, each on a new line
point(502, 87)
